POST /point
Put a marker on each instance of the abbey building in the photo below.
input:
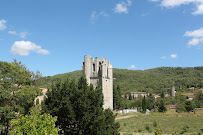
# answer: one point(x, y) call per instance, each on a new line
point(101, 71)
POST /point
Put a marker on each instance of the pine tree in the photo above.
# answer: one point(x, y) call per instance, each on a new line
point(79, 109)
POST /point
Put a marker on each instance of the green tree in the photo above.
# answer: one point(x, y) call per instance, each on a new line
point(162, 94)
point(144, 105)
point(180, 107)
point(189, 106)
point(34, 124)
point(130, 96)
point(79, 108)
point(17, 92)
point(161, 107)
point(150, 102)
point(199, 99)
point(117, 99)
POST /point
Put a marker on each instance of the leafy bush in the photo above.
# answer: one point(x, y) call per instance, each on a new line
point(184, 129)
point(157, 132)
point(155, 124)
point(35, 123)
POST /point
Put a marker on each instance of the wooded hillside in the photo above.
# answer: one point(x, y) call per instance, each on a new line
point(155, 80)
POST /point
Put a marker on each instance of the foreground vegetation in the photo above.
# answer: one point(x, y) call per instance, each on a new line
point(71, 107)
point(169, 123)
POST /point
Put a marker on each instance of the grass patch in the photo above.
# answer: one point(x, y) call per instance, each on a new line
point(168, 122)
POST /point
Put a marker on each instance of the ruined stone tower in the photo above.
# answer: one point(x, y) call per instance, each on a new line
point(101, 71)
point(173, 91)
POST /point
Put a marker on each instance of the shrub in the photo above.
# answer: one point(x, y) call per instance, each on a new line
point(157, 132)
point(139, 130)
point(147, 127)
point(185, 129)
point(155, 124)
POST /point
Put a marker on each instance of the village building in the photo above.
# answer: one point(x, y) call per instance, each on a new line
point(170, 107)
point(136, 94)
point(189, 96)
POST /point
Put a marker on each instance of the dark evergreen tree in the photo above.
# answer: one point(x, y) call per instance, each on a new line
point(126, 96)
point(144, 105)
point(79, 109)
point(130, 96)
point(117, 99)
point(150, 101)
point(161, 106)
point(162, 94)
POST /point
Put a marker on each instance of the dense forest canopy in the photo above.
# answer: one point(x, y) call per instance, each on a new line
point(151, 80)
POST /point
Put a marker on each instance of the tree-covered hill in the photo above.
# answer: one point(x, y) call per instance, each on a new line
point(48, 80)
point(155, 80)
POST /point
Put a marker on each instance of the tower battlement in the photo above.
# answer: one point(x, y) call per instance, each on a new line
point(100, 70)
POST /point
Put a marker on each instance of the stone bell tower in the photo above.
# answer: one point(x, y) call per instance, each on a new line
point(101, 71)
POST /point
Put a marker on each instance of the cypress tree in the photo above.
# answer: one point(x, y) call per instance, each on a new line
point(117, 99)
point(162, 94)
point(144, 105)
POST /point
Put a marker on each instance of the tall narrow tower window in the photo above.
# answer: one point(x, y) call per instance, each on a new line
point(93, 67)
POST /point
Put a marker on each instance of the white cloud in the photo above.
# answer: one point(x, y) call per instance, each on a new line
point(201, 40)
point(175, 3)
point(195, 33)
point(193, 42)
point(2, 24)
point(95, 15)
point(199, 10)
point(102, 13)
point(197, 37)
point(12, 32)
point(129, 2)
point(122, 7)
point(163, 57)
point(144, 14)
point(132, 67)
point(24, 48)
point(21, 34)
point(173, 56)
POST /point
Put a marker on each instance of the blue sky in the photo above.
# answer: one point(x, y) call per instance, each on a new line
point(53, 36)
